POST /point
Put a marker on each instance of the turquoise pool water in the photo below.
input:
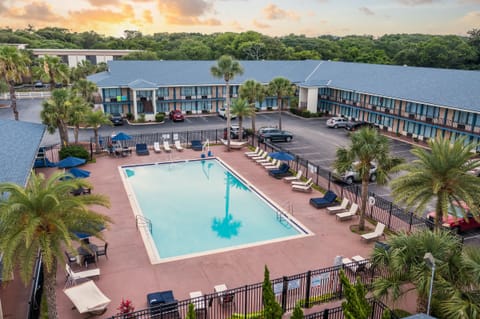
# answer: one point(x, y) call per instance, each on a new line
point(200, 206)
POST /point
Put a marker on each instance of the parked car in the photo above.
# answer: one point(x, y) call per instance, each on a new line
point(38, 85)
point(463, 222)
point(234, 132)
point(270, 134)
point(223, 113)
point(476, 170)
point(351, 175)
point(176, 116)
point(337, 121)
point(353, 126)
point(116, 118)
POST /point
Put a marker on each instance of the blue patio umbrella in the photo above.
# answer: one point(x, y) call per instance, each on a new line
point(83, 235)
point(121, 137)
point(282, 156)
point(79, 173)
point(71, 161)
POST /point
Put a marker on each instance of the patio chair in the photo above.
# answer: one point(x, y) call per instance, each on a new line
point(72, 276)
point(377, 233)
point(166, 146)
point(178, 146)
point(197, 145)
point(339, 208)
point(198, 301)
point(102, 251)
point(89, 259)
point(297, 177)
point(356, 264)
point(303, 188)
point(141, 149)
point(88, 298)
point(321, 202)
point(163, 304)
point(226, 297)
point(156, 147)
point(348, 214)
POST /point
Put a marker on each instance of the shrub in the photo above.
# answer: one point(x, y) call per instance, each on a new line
point(75, 151)
point(159, 117)
point(130, 117)
point(141, 118)
point(189, 112)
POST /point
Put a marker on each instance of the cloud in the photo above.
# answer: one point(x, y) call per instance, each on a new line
point(416, 2)
point(273, 12)
point(147, 16)
point(469, 1)
point(471, 18)
point(36, 11)
point(186, 12)
point(366, 11)
point(237, 26)
point(260, 25)
point(96, 18)
point(102, 3)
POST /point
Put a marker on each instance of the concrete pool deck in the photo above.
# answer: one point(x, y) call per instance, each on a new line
point(128, 273)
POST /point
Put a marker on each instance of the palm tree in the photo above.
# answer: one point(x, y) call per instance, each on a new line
point(56, 113)
point(42, 217)
point(82, 70)
point(241, 108)
point(456, 277)
point(227, 68)
point(85, 89)
point(51, 69)
point(76, 116)
point(252, 91)
point(439, 174)
point(95, 119)
point(281, 88)
point(367, 147)
point(13, 66)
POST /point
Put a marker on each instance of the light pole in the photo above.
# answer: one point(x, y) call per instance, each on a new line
point(430, 261)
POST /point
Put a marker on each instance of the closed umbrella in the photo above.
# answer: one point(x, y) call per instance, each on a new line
point(282, 156)
point(71, 161)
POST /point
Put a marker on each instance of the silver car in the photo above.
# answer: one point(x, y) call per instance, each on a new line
point(337, 122)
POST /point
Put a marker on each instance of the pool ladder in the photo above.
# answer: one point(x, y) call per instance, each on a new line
point(282, 218)
point(142, 221)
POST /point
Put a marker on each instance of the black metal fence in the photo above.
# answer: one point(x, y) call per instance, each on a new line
point(36, 291)
point(306, 289)
point(378, 310)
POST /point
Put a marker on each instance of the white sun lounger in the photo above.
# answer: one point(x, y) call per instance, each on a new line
point(275, 166)
point(297, 177)
point(376, 233)
point(339, 208)
point(272, 163)
point(348, 214)
point(166, 146)
point(156, 147)
point(300, 183)
point(178, 146)
point(88, 298)
point(254, 153)
point(72, 276)
point(261, 157)
point(303, 188)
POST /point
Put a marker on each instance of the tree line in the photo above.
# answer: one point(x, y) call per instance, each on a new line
point(441, 51)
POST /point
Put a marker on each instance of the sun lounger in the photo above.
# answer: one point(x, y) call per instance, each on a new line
point(156, 147)
point(267, 160)
point(141, 149)
point(88, 298)
point(377, 233)
point(72, 276)
point(288, 179)
point(349, 214)
point(162, 303)
point(178, 146)
point(271, 167)
point(356, 264)
point(197, 145)
point(303, 188)
point(282, 171)
point(339, 208)
point(198, 301)
point(300, 183)
point(256, 151)
point(327, 200)
point(262, 156)
point(166, 146)
point(272, 163)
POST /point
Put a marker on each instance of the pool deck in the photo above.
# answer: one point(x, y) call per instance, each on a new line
point(129, 274)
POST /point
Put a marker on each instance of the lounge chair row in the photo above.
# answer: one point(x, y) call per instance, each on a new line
point(166, 146)
point(275, 167)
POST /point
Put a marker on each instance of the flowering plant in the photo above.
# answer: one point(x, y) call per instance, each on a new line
point(126, 306)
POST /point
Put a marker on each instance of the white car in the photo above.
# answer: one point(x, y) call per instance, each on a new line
point(337, 122)
point(352, 175)
point(223, 113)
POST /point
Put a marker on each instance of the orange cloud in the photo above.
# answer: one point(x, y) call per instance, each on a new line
point(273, 12)
point(34, 12)
point(186, 12)
point(147, 16)
point(101, 3)
point(260, 25)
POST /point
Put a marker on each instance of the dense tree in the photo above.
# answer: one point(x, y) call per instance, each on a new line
point(227, 68)
point(253, 92)
point(141, 55)
point(241, 109)
point(51, 69)
point(85, 89)
point(95, 119)
point(367, 147)
point(13, 66)
point(440, 174)
point(42, 218)
point(356, 305)
point(56, 113)
point(82, 70)
point(281, 88)
point(271, 308)
point(76, 115)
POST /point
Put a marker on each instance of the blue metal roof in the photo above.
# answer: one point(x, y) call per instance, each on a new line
point(20, 143)
point(443, 87)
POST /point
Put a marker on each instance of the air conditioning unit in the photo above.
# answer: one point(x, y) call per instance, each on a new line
point(414, 135)
point(461, 126)
point(374, 107)
point(420, 138)
point(404, 133)
point(387, 110)
point(389, 129)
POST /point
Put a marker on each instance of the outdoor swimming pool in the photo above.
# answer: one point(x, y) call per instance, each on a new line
point(200, 207)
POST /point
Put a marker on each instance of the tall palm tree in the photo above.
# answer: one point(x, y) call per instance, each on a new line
point(13, 66)
point(440, 174)
point(82, 70)
point(85, 89)
point(77, 113)
point(95, 119)
point(241, 108)
point(227, 68)
point(56, 113)
point(281, 88)
point(367, 147)
point(252, 91)
point(456, 277)
point(51, 69)
point(42, 217)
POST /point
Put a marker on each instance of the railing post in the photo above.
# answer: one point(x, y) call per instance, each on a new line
point(410, 222)
point(284, 294)
point(325, 313)
point(390, 215)
point(245, 303)
point(307, 290)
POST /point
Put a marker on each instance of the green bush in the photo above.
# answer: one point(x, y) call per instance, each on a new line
point(74, 150)
point(130, 117)
point(316, 300)
point(141, 118)
point(159, 117)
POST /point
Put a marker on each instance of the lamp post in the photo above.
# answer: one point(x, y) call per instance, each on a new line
point(430, 261)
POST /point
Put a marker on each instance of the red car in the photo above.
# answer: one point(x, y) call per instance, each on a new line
point(176, 116)
point(459, 223)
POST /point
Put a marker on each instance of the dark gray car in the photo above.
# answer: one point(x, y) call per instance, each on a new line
point(274, 135)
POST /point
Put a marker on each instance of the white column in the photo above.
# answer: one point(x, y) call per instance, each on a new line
point(154, 101)
point(312, 99)
point(135, 104)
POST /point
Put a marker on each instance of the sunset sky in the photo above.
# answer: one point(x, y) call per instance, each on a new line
point(275, 18)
